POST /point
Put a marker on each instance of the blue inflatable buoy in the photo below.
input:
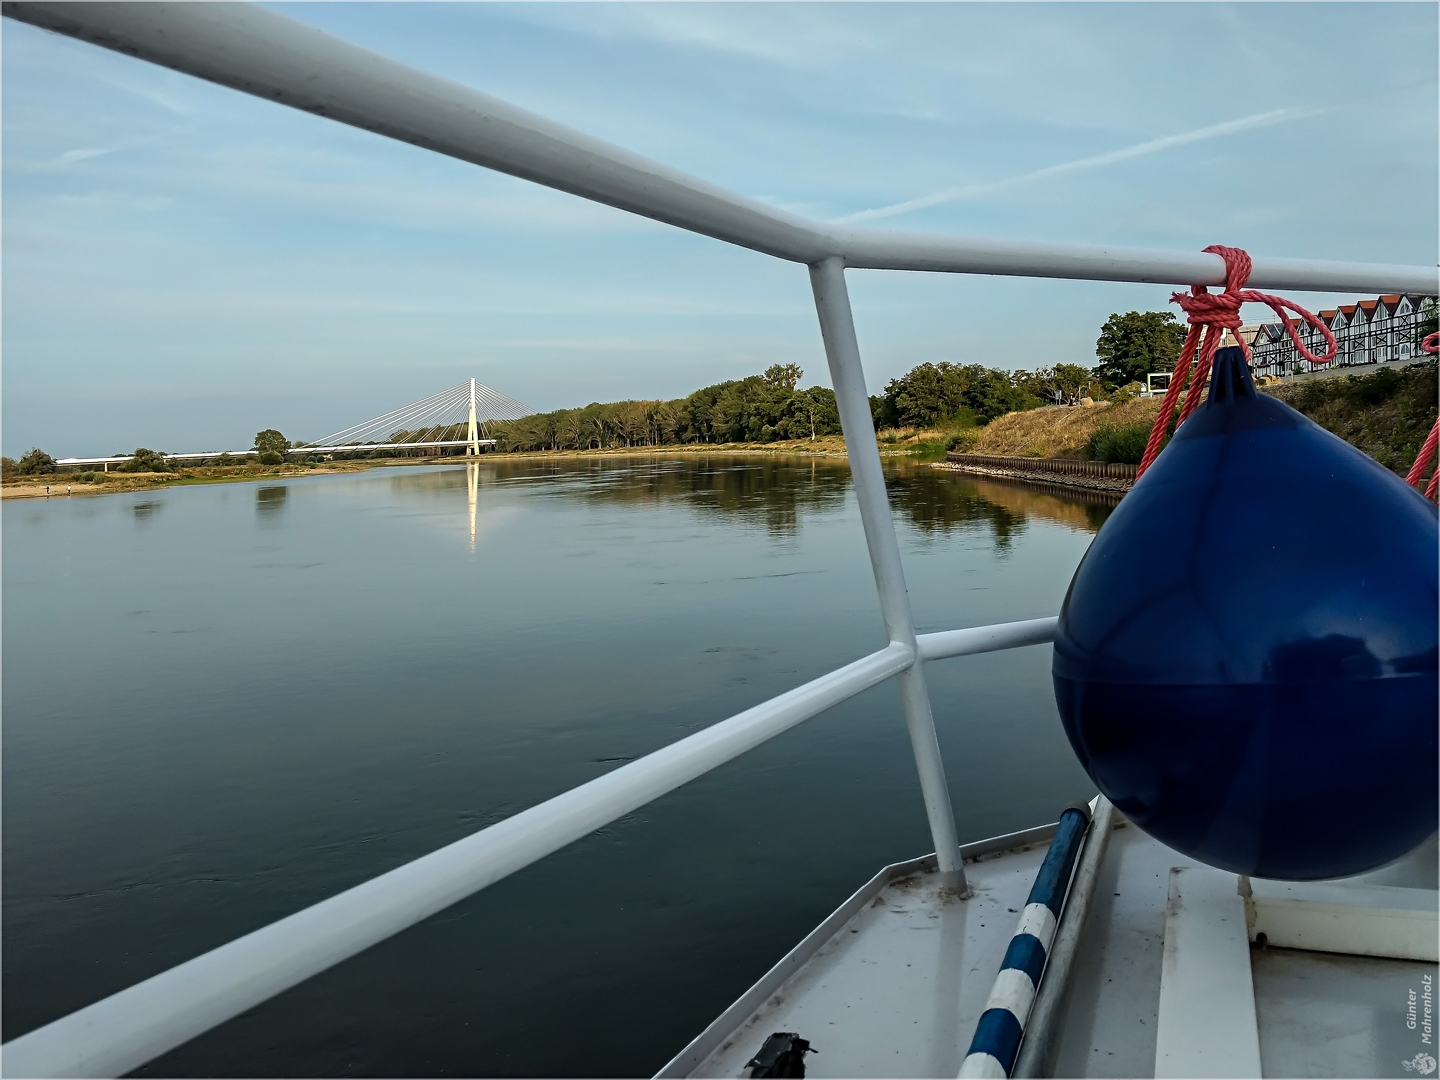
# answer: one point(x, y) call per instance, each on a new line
point(1246, 659)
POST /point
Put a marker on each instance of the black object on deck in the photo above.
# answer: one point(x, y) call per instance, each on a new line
point(783, 1054)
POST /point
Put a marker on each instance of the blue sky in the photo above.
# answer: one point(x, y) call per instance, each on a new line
point(184, 265)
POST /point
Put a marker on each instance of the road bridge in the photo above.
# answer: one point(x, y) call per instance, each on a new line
point(455, 417)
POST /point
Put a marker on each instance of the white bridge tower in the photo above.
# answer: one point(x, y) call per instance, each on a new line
point(472, 434)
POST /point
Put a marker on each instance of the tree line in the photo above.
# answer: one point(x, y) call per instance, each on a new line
point(759, 408)
point(770, 407)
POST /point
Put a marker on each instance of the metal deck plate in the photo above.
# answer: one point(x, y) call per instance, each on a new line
point(896, 991)
point(893, 983)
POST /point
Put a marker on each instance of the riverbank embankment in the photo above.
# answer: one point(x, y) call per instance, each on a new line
point(59, 485)
point(1063, 472)
point(1384, 412)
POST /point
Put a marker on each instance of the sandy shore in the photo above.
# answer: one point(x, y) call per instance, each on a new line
point(69, 485)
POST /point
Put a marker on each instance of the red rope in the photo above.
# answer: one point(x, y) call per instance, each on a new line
point(1210, 315)
point(1427, 448)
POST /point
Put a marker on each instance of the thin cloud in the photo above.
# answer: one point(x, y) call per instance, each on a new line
point(1253, 122)
point(79, 155)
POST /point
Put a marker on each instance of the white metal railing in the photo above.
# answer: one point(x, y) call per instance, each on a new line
point(263, 53)
point(125, 1030)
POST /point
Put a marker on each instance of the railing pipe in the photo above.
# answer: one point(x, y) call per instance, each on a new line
point(842, 351)
point(125, 1030)
point(982, 639)
point(122, 1032)
point(249, 48)
point(892, 250)
point(260, 52)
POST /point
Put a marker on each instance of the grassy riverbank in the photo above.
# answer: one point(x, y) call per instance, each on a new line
point(1386, 413)
point(103, 483)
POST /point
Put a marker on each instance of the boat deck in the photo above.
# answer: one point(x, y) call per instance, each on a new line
point(892, 984)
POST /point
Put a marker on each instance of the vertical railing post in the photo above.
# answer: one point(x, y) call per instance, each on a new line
point(842, 352)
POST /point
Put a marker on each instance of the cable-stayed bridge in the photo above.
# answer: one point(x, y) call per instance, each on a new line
point(458, 416)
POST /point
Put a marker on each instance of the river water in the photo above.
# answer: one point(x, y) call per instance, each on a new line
point(224, 703)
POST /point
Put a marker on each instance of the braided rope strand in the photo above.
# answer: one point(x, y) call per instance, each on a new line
point(1431, 344)
point(1210, 315)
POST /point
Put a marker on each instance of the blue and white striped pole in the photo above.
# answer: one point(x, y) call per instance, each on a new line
point(997, 1035)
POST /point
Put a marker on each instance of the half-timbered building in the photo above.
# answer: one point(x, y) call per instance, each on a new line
point(1377, 331)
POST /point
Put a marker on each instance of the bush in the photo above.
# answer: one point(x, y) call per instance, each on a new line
point(35, 463)
point(1124, 444)
point(145, 461)
point(1386, 413)
point(961, 441)
point(271, 457)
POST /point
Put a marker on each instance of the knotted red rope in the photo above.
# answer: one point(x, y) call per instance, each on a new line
point(1427, 449)
point(1210, 315)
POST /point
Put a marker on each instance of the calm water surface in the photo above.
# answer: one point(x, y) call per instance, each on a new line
point(224, 703)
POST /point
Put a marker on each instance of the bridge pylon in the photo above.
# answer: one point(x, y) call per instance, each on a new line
point(473, 434)
point(454, 418)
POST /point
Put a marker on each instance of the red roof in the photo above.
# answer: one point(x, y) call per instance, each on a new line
point(1391, 299)
point(1369, 306)
point(1328, 315)
point(1347, 309)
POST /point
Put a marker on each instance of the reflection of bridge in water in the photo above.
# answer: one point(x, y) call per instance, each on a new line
point(456, 417)
point(472, 487)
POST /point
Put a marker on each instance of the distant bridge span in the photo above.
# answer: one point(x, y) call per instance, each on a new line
point(465, 410)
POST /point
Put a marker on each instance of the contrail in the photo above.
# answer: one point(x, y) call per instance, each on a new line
point(1153, 146)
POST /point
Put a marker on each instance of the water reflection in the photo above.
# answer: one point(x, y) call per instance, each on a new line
point(472, 489)
point(270, 501)
point(940, 501)
point(776, 493)
point(145, 511)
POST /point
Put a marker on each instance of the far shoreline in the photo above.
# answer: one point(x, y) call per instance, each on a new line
point(117, 483)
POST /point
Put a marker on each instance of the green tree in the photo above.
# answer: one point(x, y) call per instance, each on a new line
point(1136, 343)
point(144, 460)
point(271, 446)
point(934, 394)
point(783, 375)
point(35, 463)
point(1058, 385)
point(1073, 381)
